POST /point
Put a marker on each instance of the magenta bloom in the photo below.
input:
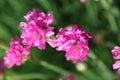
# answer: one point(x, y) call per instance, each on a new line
point(37, 29)
point(70, 77)
point(83, 1)
point(116, 65)
point(116, 52)
point(116, 55)
point(74, 42)
point(16, 54)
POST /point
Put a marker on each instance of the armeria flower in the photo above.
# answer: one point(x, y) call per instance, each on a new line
point(37, 28)
point(16, 54)
point(70, 77)
point(74, 42)
point(116, 65)
point(84, 1)
point(116, 52)
point(116, 55)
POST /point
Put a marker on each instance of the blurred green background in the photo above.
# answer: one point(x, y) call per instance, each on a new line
point(102, 18)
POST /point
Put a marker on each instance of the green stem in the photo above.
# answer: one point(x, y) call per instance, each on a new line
point(54, 68)
point(112, 22)
point(105, 4)
point(4, 75)
point(102, 67)
point(28, 76)
point(3, 47)
point(109, 15)
point(59, 70)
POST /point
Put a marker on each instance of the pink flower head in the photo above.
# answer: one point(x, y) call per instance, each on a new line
point(37, 29)
point(74, 42)
point(70, 77)
point(116, 55)
point(83, 1)
point(16, 54)
point(116, 52)
point(116, 65)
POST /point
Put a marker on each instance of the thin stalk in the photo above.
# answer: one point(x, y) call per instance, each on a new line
point(27, 76)
point(59, 70)
point(102, 67)
point(3, 47)
point(112, 22)
point(54, 68)
point(4, 75)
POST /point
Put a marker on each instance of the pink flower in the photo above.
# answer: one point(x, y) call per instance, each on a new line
point(37, 29)
point(70, 77)
point(116, 52)
point(16, 54)
point(116, 55)
point(74, 42)
point(83, 1)
point(116, 65)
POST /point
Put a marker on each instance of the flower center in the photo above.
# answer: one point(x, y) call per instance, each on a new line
point(75, 49)
point(117, 52)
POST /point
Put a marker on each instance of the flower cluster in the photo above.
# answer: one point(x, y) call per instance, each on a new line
point(38, 30)
point(73, 41)
point(16, 54)
point(116, 56)
point(70, 77)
